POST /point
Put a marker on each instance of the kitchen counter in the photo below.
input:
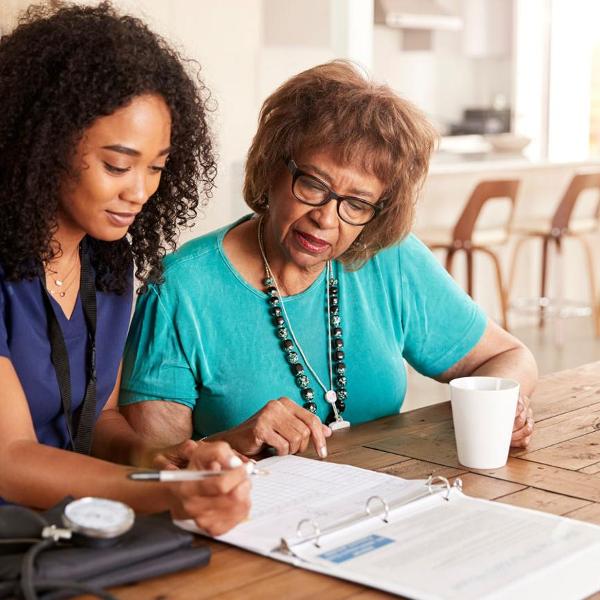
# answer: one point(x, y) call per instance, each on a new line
point(451, 179)
point(450, 163)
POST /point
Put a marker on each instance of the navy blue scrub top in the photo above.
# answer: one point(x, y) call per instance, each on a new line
point(24, 340)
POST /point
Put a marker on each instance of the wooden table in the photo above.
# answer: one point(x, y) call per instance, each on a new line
point(559, 473)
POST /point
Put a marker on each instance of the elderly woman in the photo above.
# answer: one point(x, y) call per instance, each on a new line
point(316, 298)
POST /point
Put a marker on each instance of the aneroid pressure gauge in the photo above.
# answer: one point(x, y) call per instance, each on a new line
point(98, 520)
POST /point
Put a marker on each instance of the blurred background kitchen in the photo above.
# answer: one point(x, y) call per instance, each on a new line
point(513, 87)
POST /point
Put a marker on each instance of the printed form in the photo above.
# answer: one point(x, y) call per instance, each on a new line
point(430, 548)
point(300, 488)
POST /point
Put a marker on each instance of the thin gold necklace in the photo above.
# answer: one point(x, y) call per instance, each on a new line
point(62, 291)
point(60, 282)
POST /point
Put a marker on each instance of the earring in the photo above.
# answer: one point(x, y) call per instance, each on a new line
point(357, 244)
point(263, 202)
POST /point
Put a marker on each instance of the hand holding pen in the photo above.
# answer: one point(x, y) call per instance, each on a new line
point(217, 501)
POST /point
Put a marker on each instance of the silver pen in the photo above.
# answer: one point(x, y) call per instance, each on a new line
point(188, 474)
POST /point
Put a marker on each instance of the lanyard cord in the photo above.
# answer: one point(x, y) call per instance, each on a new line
point(82, 440)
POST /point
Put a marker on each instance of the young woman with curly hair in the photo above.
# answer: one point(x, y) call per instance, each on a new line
point(104, 153)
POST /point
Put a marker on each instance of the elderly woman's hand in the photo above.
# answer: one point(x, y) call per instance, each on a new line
point(178, 456)
point(218, 503)
point(523, 427)
point(281, 424)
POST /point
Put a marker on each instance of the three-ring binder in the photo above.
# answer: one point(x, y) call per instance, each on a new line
point(434, 485)
point(437, 542)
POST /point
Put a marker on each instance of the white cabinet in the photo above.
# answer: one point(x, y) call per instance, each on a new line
point(488, 27)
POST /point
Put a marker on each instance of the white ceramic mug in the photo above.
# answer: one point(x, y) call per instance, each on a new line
point(483, 411)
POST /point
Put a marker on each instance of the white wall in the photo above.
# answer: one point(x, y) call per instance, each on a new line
point(9, 9)
point(465, 68)
point(225, 37)
point(574, 32)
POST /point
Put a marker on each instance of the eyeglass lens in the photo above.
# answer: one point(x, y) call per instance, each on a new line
point(311, 191)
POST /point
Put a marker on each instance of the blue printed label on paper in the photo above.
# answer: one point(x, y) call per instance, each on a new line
point(354, 549)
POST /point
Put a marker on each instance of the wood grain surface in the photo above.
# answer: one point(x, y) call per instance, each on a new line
point(559, 473)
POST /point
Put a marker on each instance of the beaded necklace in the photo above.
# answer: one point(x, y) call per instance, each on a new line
point(336, 394)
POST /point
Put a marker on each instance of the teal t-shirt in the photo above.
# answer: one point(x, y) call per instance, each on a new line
point(205, 337)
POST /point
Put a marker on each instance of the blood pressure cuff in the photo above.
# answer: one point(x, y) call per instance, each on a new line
point(152, 547)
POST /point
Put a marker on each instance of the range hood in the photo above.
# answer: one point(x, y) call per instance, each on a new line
point(416, 14)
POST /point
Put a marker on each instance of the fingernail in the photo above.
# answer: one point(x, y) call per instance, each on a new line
point(235, 461)
point(323, 451)
point(250, 467)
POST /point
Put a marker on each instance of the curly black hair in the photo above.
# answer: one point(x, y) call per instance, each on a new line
point(60, 70)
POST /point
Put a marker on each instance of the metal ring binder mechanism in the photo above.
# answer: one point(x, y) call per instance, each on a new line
point(316, 529)
point(385, 505)
point(431, 479)
point(434, 484)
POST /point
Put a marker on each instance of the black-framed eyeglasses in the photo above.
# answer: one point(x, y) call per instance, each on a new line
point(310, 190)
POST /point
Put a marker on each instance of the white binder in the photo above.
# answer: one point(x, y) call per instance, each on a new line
point(419, 539)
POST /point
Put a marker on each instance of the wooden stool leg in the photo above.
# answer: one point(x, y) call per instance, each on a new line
point(469, 253)
point(559, 336)
point(449, 260)
point(545, 242)
point(592, 279)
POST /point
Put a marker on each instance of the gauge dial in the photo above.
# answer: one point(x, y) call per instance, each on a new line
point(98, 517)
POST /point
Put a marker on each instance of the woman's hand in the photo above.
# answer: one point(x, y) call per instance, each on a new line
point(281, 424)
point(218, 503)
point(177, 456)
point(523, 427)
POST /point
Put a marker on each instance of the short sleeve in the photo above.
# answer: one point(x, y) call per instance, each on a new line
point(441, 322)
point(154, 363)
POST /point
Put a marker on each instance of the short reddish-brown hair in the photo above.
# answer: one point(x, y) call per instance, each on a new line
point(366, 124)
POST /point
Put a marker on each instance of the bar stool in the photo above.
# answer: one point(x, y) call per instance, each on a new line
point(467, 238)
point(552, 232)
